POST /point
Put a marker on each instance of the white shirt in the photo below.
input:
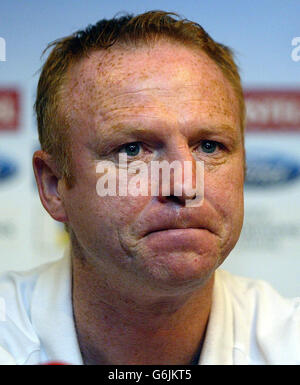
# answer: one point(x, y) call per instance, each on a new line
point(250, 323)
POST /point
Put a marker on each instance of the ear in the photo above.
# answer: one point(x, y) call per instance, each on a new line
point(49, 184)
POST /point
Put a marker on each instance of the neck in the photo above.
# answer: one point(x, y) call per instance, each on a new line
point(117, 329)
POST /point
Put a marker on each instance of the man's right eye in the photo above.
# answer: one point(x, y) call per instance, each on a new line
point(131, 149)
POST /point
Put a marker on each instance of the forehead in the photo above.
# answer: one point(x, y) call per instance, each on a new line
point(119, 82)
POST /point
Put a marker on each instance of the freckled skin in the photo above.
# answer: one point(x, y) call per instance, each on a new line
point(158, 280)
point(174, 96)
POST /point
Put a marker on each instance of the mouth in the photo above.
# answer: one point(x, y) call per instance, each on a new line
point(176, 230)
point(184, 223)
point(179, 240)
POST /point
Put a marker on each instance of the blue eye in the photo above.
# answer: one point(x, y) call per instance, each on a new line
point(132, 149)
point(209, 146)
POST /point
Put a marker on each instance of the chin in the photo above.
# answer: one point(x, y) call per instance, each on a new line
point(178, 270)
point(175, 261)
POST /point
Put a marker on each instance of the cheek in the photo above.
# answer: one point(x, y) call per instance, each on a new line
point(224, 191)
point(98, 221)
point(120, 211)
point(84, 200)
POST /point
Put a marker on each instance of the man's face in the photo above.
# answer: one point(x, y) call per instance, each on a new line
point(170, 103)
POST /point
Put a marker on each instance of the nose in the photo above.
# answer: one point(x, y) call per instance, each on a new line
point(181, 176)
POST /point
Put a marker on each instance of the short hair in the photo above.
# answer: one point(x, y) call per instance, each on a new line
point(126, 31)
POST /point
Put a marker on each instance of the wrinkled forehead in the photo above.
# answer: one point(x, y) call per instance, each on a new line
point(106, 75)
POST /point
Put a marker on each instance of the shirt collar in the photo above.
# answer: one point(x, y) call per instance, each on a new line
point(52, 313)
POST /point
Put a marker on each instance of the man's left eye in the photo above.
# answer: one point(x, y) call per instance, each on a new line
point(209, 146)
point(131, 149)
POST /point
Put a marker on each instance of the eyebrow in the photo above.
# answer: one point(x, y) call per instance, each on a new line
point(133, 128)
point(105, 141)
point(125, 129)
point(219, 129)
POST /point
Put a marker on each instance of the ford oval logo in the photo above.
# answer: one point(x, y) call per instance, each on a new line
point(272, 170)
point(7, 169)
